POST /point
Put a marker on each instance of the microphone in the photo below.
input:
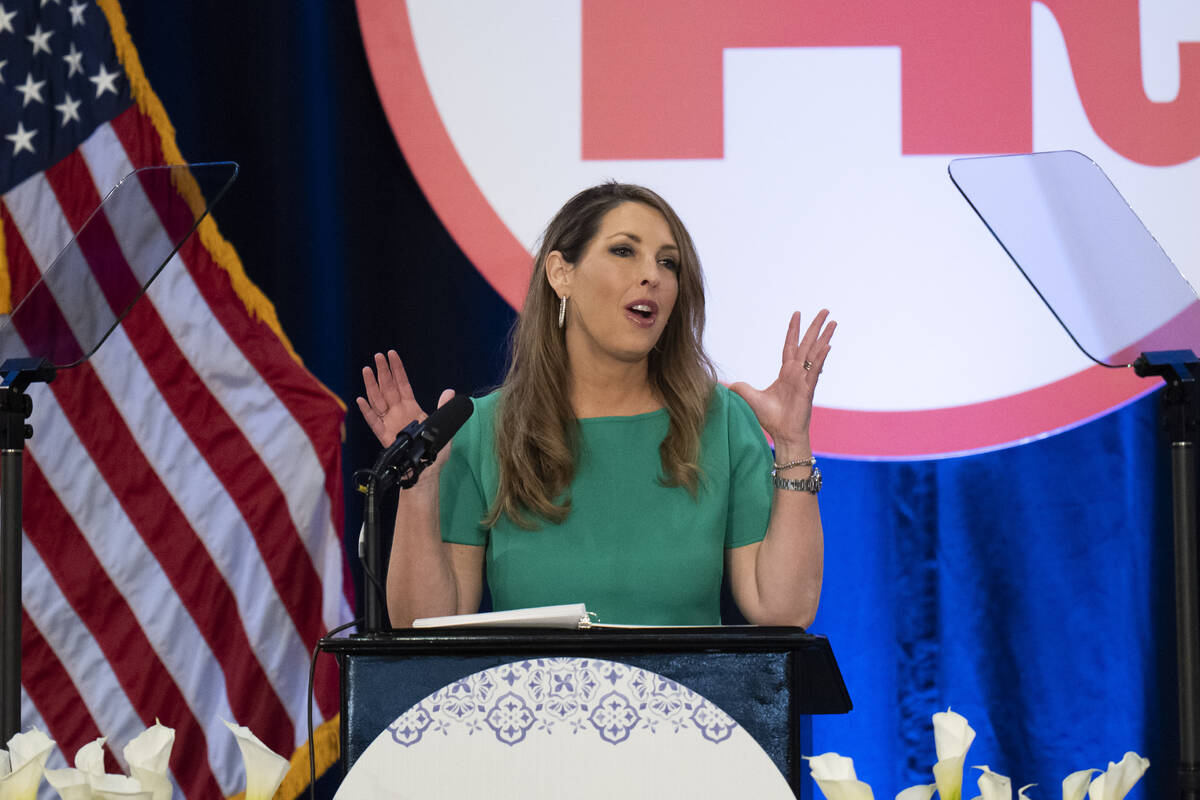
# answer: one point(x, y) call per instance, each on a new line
point(418, 444)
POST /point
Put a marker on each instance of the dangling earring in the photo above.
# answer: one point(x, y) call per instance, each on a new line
point(562, 311)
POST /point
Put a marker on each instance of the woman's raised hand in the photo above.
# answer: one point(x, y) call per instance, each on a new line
point(390, 405)
point(784, 408)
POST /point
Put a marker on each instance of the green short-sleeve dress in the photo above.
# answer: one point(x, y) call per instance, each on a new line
point(635, 551)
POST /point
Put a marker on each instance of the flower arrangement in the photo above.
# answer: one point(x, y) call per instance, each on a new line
point(22, 767)
point(953, 736)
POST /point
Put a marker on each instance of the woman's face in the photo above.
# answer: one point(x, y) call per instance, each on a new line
point(622, 289)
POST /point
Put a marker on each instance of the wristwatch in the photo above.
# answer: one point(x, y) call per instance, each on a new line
point(811, 484)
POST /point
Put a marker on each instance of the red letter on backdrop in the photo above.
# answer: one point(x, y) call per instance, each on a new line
point(653, 81)
point(1106, 59)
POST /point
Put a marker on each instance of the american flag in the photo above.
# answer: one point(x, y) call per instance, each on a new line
point(182, 498)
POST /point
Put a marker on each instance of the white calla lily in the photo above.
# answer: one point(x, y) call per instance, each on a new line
point(952, 738)
point(148, 756)
point(89, 759)
point(835, 776)
point(22, 783)
point(948, 776)
point(1118, 779)
point(1021, 791)
point(993, 785)
point(70, 783)
point(265, 769)
point(918, 792)
point(26, 756)
point(952, 734)
point(29, 746)
point(1075, 785)
point(118, 787)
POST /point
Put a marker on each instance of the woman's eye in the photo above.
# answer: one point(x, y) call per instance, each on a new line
point(669, 263)
point(622, 250)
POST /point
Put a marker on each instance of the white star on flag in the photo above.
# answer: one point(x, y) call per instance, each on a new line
point(74, 60)
point(69, 109)
point(3, 64)
point(22, 139)
point(105, 81)
point(32, 90)
point(40, 39)
point(6, 19)
point(76, 10)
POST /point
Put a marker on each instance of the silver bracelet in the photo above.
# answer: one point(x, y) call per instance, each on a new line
point(811, 461)
point(811, 484)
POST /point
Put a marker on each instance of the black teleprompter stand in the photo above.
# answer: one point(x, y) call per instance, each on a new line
point(15, 408)
point(1181, 420)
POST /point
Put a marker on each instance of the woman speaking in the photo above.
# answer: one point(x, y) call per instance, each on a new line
point(611, 468)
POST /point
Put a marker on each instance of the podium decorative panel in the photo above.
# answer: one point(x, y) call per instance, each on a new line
point(765, 680)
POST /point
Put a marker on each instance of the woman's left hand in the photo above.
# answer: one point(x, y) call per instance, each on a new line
point(784, 408)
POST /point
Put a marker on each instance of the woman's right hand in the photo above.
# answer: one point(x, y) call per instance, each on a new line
point(390, 405)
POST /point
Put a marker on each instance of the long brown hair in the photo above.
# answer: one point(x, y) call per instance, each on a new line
point(536, 428)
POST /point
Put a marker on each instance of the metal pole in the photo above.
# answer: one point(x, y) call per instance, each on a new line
point(1183, 476)
point(373, 607)
point(10, 593)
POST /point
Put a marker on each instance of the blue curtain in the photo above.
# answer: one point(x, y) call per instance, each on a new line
point(1030, 588)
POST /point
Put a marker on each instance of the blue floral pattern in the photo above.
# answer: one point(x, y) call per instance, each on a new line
point(563, 695)
point(411, 726)
point(510, 718)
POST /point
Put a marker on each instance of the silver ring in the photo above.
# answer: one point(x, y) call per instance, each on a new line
point(807, 365)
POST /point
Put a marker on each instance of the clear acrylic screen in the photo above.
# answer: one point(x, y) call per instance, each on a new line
point(1085, 251)
point(64, 311)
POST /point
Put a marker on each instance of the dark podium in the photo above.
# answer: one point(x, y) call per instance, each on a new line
point(767, 679)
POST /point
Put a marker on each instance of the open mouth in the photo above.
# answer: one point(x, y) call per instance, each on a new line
point(642, 312)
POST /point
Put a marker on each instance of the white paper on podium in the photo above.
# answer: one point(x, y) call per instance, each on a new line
point(550, 728)
point(570, 616)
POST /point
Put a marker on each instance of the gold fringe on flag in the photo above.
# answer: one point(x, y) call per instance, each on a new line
point(5, 280)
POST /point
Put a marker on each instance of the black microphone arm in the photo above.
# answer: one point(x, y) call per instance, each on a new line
point(401, 462)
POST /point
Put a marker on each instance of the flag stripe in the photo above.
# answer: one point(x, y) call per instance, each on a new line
point(147, 683)
point(250, 397)
point(176, 460)
point(77, 199)
point(148, 502)
point(268, 361)
point(67, 720)
point(175, 290)
point(112, 538)
point(89, 675)
point(182, 556)
point(241, 473)
point(202, 499)
point(132, 580)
